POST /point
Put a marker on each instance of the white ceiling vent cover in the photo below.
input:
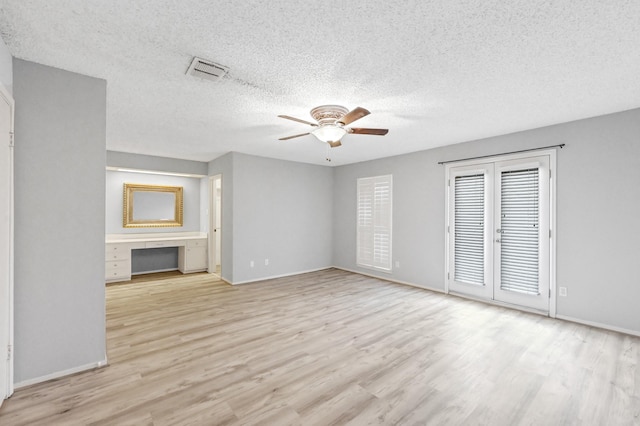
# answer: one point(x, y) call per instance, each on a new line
point(208, 70)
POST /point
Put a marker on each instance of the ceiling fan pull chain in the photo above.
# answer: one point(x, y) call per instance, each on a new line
point(328, 158)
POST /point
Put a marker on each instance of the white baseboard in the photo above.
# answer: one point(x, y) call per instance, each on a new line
point(386, 278)
point(59, 374)
point(276, 276)
point(600, 325)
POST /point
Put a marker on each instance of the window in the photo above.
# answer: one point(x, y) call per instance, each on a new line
point(374, 222)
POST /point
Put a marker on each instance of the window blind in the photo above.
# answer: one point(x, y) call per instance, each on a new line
point(469, 229)
point(374, 222)
point(519, 217)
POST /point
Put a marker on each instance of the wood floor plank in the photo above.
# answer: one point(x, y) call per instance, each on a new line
point(333, 347)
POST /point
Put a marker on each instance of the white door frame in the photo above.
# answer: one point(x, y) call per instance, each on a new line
point(552, 215)
point(214, 233)
point(7, 306)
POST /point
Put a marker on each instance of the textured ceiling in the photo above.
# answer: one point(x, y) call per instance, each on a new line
point(435, 72)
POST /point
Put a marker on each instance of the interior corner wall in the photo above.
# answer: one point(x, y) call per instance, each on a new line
point(276, 210)
point(281, 213)
point(224, 166)
point(417, 214)
point(598, 173)
point(60, 134)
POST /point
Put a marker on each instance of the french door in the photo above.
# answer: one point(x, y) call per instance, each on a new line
point(499, 231)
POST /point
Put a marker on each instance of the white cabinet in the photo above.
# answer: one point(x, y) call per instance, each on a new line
point(193, 256)
point(117, 266)
point(192, 252)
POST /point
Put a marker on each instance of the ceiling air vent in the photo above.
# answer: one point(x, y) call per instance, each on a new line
point(208, 70)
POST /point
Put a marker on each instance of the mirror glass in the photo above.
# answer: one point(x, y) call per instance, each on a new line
point(152, 206)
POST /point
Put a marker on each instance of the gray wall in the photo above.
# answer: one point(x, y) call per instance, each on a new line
point(150, 162)
point(418, 217)
point(282, 212)
point(114, 201)
point(598, 219)
point(6, 67)
point(60, 122)
point(276, 210)
point(597, 182)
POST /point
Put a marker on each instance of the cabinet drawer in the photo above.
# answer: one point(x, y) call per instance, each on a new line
point(117, 252)
point(169, 243)
point(118, 273)
point(112, 265)
point(197, 243)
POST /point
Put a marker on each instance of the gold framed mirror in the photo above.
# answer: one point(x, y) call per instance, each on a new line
point(151, 206)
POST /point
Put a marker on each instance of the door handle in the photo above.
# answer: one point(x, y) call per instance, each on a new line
point(498, 240)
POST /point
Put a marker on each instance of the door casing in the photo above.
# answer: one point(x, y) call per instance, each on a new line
point(6, 281)
point(214, 232)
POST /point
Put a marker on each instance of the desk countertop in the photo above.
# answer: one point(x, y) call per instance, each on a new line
point(156, 236)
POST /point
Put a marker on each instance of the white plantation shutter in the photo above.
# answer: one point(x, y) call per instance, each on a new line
point(374, 222)
point(469, 229)
point(520, 229)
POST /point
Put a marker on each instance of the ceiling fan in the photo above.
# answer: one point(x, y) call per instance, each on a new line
point(331, 122)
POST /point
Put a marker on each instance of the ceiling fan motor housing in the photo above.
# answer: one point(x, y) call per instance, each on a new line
point(328, 114)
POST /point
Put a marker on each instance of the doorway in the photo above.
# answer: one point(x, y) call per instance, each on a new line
point(499, 231)
point(215, 225)
point(6, 244)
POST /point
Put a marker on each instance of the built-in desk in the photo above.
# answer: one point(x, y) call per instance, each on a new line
point(192, 251)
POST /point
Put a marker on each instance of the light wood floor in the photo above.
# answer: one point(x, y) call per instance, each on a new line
point(335, 348)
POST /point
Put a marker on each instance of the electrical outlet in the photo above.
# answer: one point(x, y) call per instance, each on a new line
point(266, 262)
point(397, 263)
point(562, 291)
point(251, 264)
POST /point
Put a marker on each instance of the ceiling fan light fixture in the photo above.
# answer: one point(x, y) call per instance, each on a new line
point(329, 132)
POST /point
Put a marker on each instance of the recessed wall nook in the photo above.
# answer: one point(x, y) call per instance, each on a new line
point(156, 221)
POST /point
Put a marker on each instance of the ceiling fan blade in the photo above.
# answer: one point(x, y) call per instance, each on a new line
point(334, 144)
point(298, 120)
point(294, 136)
point(354, 115)
point(362, 131)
